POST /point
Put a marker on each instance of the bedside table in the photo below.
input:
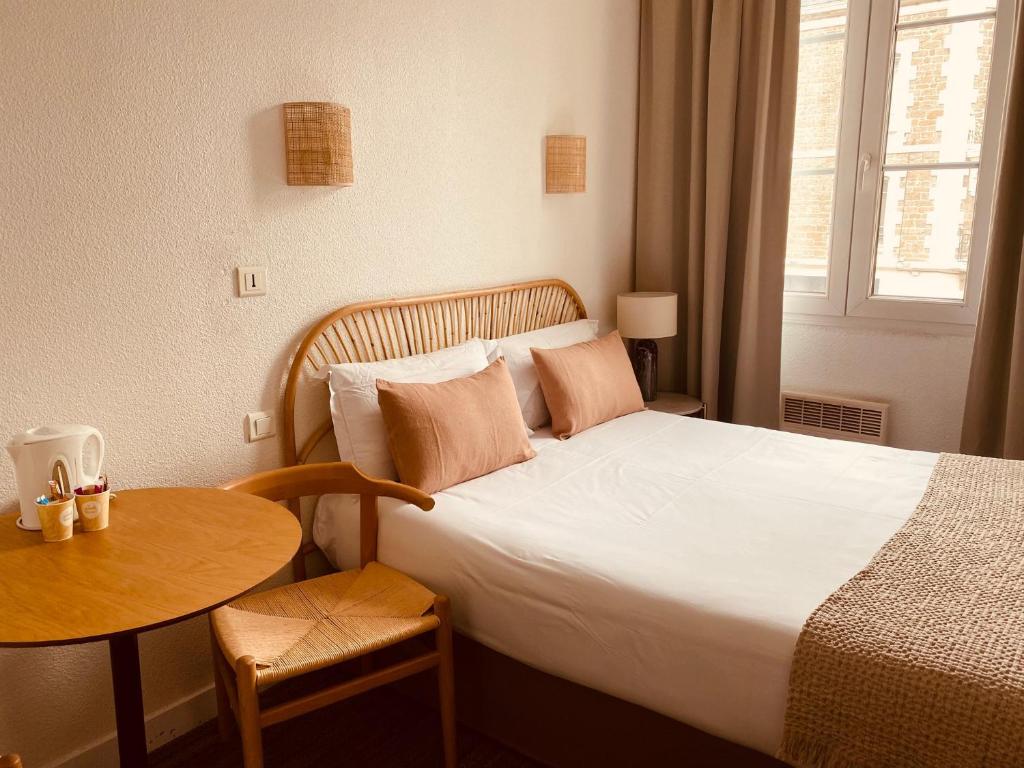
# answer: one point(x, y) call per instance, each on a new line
point(677, 403)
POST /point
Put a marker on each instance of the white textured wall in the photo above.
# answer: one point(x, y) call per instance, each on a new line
point(143, 160)
point(923, 376)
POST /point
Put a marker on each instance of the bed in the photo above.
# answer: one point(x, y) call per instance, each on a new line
point(653, 571)
point(664, 560)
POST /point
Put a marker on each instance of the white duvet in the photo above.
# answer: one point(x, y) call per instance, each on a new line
point(668, 561)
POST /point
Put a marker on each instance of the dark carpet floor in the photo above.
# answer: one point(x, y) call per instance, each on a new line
point(382, 728)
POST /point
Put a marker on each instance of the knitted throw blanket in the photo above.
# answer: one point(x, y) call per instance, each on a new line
point(918, 660)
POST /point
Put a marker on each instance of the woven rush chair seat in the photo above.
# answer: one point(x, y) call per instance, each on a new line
point(313, 624)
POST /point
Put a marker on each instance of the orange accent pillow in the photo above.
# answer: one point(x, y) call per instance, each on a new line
point(442, 434)
point(587, 384)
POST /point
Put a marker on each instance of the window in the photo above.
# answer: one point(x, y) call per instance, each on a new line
point(898, 107)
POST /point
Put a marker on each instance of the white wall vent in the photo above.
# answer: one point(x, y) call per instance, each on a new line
point(827, 416)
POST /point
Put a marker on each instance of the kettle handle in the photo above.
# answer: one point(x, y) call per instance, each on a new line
point(93, 432)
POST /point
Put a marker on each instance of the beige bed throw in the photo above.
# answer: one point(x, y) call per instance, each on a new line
point(918, 660)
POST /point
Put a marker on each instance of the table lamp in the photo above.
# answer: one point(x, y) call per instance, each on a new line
point(645, 316)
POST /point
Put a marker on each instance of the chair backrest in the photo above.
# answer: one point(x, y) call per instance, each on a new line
point(331, 477)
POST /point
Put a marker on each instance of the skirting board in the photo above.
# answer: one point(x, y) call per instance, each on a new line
point(162, 726)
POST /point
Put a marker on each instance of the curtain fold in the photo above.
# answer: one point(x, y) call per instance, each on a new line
point(994, 411)
point(717, 103)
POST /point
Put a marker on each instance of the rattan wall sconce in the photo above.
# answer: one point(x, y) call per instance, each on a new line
point(565, 161)
point(318, 144)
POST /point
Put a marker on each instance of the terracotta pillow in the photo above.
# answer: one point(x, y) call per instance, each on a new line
point(587, 384)
point(442, 434)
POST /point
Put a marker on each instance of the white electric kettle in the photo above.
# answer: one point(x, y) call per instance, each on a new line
point(73, 452)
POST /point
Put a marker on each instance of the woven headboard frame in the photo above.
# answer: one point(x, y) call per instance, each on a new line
point(384, 330)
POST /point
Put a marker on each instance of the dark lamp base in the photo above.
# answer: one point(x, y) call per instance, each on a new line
point(644, 356)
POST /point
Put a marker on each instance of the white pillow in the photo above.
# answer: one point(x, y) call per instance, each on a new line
point(516, 351)
point(358, 424)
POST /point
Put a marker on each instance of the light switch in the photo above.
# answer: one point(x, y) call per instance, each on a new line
point(252, 281)
point(259, 425)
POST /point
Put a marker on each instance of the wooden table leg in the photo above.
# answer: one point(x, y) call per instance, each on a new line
point(131, 718)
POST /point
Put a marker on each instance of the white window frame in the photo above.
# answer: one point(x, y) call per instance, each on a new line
point(871, 31)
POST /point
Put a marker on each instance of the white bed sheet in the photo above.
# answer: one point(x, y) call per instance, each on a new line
point(665, 560)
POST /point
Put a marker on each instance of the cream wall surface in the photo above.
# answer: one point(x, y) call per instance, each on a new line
point(143, 160)
point(922, 374)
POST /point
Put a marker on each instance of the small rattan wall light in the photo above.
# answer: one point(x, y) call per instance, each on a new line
point(565, 164)
point(318, 144)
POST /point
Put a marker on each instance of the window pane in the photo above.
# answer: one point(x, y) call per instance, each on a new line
point(818, 105)
point(939, 91)
point(810, 228)
point(924, 233)
point(822, 16)
point(917, 10)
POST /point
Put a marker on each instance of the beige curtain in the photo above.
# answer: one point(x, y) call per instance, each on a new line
point(994, 413)
point(717, 103)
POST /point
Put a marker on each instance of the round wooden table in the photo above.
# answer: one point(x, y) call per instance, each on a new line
point(168, 554)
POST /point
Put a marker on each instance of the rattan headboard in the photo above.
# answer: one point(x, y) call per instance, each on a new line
point(384, 330)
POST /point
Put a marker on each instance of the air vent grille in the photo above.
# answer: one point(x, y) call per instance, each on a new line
point(828, 416)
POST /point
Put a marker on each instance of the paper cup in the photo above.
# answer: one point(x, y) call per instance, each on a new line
point(57, 519)
point(93, 510)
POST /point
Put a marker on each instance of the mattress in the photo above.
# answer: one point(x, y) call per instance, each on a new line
point(668, 561)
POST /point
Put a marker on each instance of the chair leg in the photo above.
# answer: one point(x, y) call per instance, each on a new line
point(446, 680)
point(249, 712)
point(224, 717)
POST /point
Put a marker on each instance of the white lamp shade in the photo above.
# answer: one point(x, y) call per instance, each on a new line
point(647, 314)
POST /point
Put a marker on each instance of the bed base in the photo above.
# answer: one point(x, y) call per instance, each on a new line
point(560, 723)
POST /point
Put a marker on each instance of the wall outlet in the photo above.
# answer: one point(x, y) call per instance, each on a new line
point(252, 281)
point(259, 425)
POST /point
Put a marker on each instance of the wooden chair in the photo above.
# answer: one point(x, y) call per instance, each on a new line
point(266, 637)
point(10, 761)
